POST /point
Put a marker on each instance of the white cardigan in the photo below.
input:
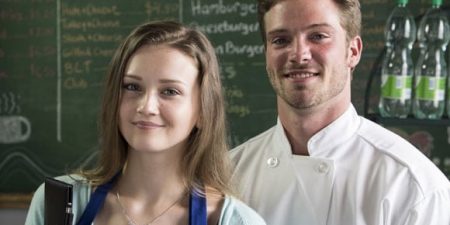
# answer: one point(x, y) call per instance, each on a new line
point(234, 212)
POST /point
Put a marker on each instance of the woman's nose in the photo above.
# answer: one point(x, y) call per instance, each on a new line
point(148, 105)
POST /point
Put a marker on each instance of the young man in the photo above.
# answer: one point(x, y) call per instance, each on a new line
point(322, 163)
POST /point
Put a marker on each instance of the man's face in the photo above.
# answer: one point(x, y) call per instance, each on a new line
point(308, 58)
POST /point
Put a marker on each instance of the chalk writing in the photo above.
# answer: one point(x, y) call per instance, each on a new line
point(87, 52)
point(228, 72)
point(90, 24)
point(75, 67)
point(227, 27)
point(41, 70)
point(41, 32)
point(89, 10)
point(41, 51)
point(15, 129)
point(73, 38)
point(154, 8)
point(233, 92)
point(95, 37)
point(11, 15)
point(75, 83)
point(230, 48)
point(238, 110)
point(9, 103)
point(219, 8)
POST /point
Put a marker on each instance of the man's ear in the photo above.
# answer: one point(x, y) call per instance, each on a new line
point(354, 51)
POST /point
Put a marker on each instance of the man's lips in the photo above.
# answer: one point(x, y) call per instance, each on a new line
point(300, 74)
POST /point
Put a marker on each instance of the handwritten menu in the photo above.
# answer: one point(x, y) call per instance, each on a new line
point(53, 59)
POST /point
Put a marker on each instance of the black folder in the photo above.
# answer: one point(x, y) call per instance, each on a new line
point(58, 202)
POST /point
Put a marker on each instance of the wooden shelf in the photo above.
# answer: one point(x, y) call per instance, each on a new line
point(409, 121)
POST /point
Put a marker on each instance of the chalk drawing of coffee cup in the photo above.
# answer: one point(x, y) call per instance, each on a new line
point(14, 129)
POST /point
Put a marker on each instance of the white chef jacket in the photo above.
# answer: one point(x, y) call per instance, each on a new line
point(358, 173)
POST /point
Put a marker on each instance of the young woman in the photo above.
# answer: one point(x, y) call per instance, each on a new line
point(163, 139)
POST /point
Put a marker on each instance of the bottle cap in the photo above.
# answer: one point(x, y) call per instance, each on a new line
point(437, 2)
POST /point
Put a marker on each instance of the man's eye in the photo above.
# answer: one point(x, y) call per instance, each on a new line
point(170, 92)
point(318, 37)
point(279, 41)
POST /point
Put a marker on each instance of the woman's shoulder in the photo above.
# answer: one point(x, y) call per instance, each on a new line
point(77, 181)
point(81, 190)
point(79, 184)
point(73, 179)
point(235, 212)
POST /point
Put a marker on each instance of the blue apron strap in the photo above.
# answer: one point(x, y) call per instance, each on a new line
point(197, 205)
point(96, 202)
point(197, 209)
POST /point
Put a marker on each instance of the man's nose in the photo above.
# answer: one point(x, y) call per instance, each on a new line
point(301, 51)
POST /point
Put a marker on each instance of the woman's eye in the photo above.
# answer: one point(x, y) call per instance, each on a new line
point(131, 87)
point(170, 92)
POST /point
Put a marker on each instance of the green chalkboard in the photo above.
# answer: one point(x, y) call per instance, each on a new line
point(55, 53)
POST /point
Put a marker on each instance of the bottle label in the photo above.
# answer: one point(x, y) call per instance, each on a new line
point(430, 88)
point(448, 100)
point(396, 87)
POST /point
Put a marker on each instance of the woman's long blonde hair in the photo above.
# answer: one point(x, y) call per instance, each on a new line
point(206, 162)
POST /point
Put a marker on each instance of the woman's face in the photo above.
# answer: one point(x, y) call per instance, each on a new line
point(160, 102)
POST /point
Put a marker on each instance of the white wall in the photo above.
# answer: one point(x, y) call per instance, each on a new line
point(12, 216)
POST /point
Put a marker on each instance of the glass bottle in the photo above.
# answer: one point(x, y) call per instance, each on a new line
point(431, 68)
point(397, 66)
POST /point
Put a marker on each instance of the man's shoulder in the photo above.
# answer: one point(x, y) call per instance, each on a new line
point(405, 155)
point(254, 143)
point(381, 137)
point(390, 144)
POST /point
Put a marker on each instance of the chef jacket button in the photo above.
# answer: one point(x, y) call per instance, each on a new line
point(273, 162)
point(322, 167)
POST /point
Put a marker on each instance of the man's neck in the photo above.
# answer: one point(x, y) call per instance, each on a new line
point(301, 125)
